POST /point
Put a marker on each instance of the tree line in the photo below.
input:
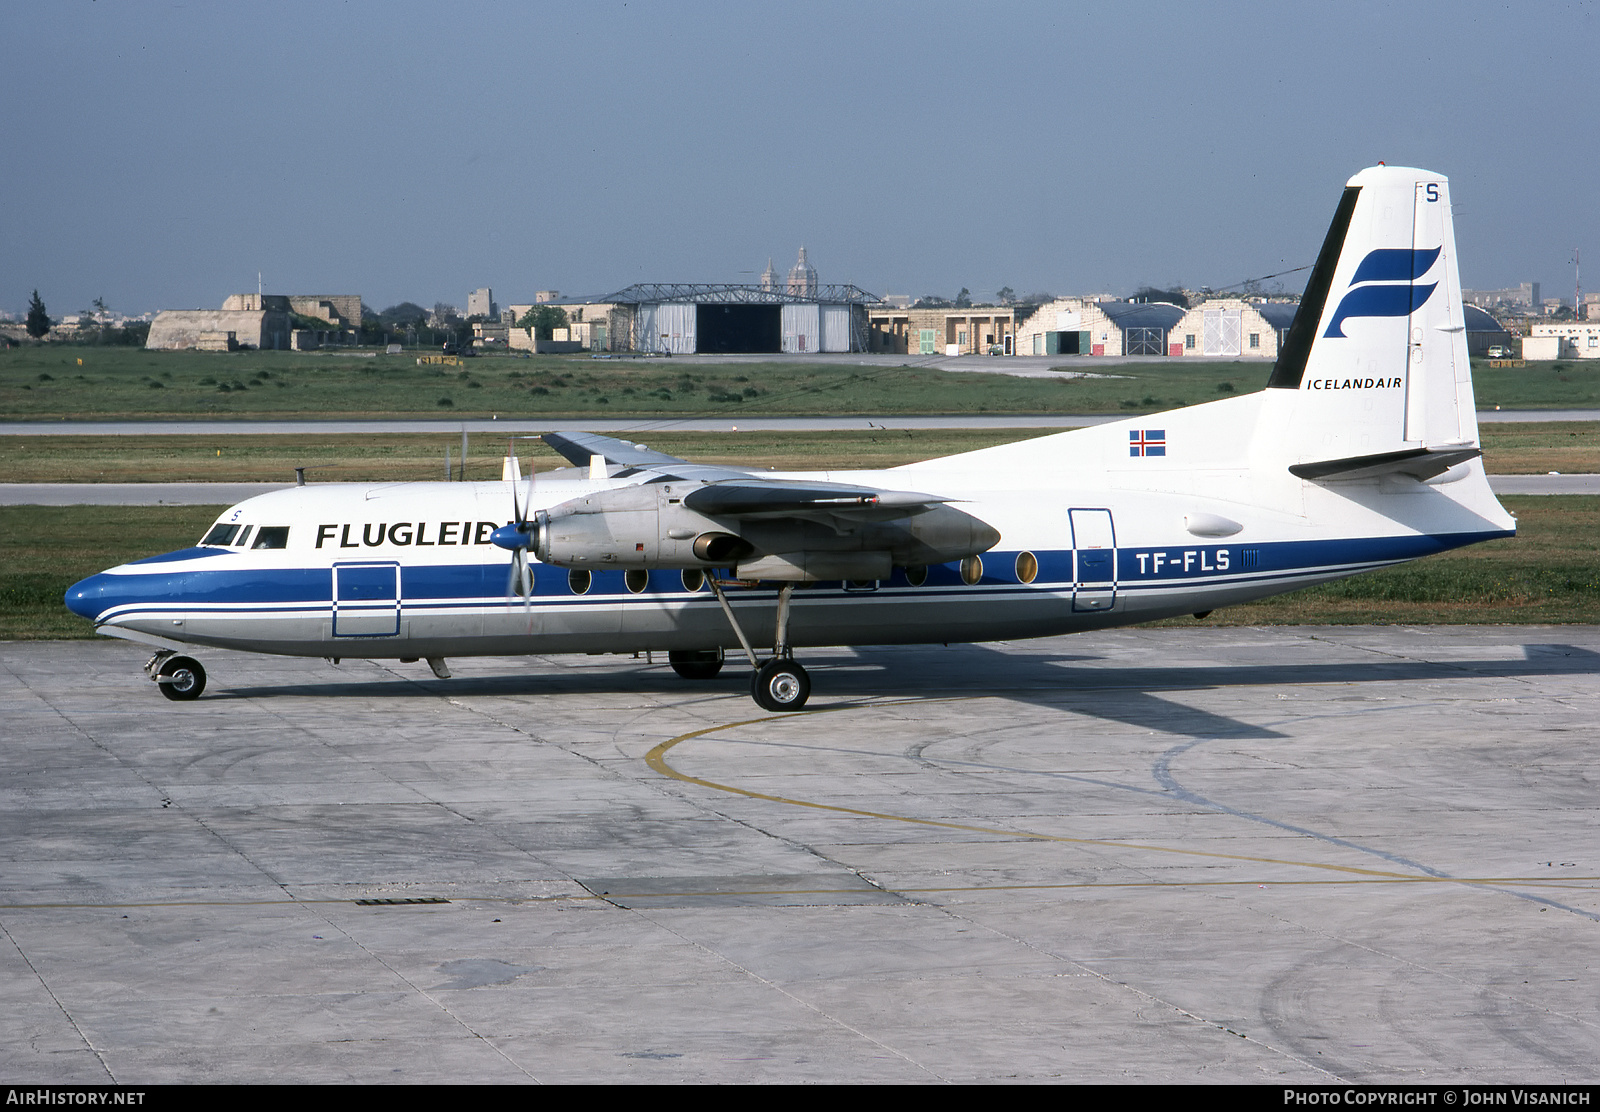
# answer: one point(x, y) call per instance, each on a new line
point(90, 330)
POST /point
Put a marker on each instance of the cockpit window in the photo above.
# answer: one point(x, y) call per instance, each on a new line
point(244, 536)
point(221, 534)
point(272, 536)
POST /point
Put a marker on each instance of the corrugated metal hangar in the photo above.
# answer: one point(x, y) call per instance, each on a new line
point(687, 317)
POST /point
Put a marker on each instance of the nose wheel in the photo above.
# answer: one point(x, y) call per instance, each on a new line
point(180, 677)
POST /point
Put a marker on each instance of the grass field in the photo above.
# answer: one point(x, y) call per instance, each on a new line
point(48, 382)
point(1548, 573)
point(1511, 449)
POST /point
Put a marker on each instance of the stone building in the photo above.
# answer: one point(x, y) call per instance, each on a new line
point(802, 278)
point(245, 320)
point(975, 330)
point(1075, 326)
point(257, 320)
point(1567, 340)
point(1225, 328)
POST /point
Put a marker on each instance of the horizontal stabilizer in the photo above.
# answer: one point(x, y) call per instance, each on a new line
point(1419, 463)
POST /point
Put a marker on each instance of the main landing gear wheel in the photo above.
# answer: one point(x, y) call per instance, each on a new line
point(696, 664)
point(181, 678)
point(780, 684)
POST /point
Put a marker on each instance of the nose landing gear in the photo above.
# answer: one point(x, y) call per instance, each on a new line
point(180, 677)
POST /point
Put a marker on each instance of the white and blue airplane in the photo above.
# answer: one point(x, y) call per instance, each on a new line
point(1362, 452)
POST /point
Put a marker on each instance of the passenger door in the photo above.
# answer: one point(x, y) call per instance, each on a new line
point(1094, 543)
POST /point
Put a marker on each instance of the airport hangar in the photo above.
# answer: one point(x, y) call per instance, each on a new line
point(685, 318)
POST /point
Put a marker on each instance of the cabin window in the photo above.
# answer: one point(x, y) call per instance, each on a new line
point(272, 536)
point(917, 575)
point(1027, 567)
point(221, 534)
point(637, 579)
point(972, 570)
point(693, 579)
point(579, 579)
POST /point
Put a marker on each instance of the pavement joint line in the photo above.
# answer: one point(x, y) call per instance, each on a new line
point(55, 998)
point(1576, 883)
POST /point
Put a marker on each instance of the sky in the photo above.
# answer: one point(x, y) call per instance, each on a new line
point(161, 155)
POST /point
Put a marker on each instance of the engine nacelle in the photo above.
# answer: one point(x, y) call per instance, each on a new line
point(645, 526)
point(648, 526)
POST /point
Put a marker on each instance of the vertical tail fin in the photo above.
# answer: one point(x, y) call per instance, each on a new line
point(1376, 358)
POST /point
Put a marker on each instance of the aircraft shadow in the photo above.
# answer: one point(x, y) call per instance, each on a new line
point(1129, 695)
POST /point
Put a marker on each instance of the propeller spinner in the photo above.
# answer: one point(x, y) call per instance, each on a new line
point(518, 538)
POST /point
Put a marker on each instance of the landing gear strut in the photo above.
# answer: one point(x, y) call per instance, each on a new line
point(779, 683)
point(180, 677)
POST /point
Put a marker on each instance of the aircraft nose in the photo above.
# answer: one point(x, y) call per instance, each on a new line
point(89, 598)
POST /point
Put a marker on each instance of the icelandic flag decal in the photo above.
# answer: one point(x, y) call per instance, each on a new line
point(1147, 442)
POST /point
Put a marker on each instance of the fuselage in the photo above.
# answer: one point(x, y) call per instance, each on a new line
point(408, 569)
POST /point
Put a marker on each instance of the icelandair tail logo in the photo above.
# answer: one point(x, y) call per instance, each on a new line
point(1397, 268)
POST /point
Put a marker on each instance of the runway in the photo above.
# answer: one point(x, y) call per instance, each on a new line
point(634, 426)
point(1341, 855)
point(207, 494)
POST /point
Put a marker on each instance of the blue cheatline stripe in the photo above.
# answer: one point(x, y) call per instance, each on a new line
point(286, 591)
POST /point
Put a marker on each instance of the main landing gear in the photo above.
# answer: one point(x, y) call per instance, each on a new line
point(180, 677)
point(778, 683)
point(696, 664)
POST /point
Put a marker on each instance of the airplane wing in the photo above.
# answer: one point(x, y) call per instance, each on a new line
point(580, 447)
point(734, 492)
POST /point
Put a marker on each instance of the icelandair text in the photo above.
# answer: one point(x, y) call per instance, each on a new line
point(1352, 383)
